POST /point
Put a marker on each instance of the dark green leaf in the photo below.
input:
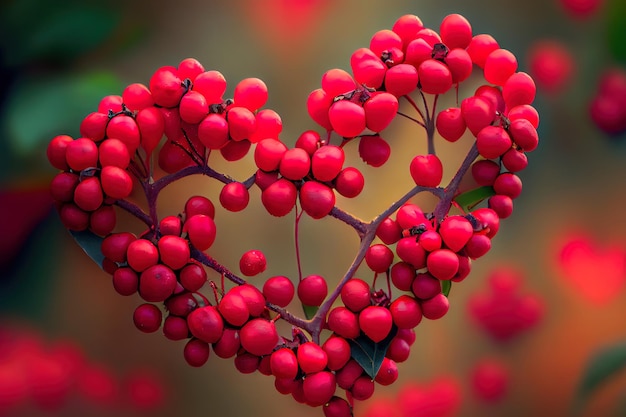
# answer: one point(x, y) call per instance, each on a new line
point(63, 34)
point(309, 311)
point(446, 285)
point(605, 364)
point(90, 243)
point(370, 354)
point(57, 104)
point(469, 199)
point(616, 22)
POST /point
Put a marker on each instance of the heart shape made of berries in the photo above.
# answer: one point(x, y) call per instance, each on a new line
point(352, 335)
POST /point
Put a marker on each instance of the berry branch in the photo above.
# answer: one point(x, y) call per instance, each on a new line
point(421, 254)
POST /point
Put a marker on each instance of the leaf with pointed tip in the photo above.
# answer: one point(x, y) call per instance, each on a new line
point(90, 243)
point(370, 354)
point(605, 364)
point(446, 285)
point(469, 199)
point(309, 311)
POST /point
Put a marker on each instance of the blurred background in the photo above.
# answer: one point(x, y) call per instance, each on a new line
point(60, 58)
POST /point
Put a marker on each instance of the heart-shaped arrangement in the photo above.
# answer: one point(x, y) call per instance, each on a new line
point(597, 272)
point(353, 335)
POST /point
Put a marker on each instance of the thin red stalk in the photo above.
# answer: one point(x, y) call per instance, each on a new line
point(297, 242)
point(414, 105)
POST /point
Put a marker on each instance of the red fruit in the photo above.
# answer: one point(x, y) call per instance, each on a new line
point(206, 324)
point(157, 283)
point(284, 363)
point(426, 170)
point(338, 352)
point(350, 182)
point(73, 218)
point(450, 124)
point(94, 125)
point(241, 123)
point(189, 68)
point(151, 124)
point(402, 276)
point(436, 307)
point(200, 230)
point(234, 309)
point(279, 198)
point(492, 142)
point(247, 363)
point(355, 294)
point(343, 322)
point(363, 388)
point(443, 264)
point(142, 254)
point(278, 290)
point(551, 65)
point(250, 93)
point(312, 290)
point(374, 150)
point(317, 105)
point(124, 128)
point(405, 312)
point(518, 90)
point(430, 240)
point(174, 251)
point(80, 154)
point(252, 263)
point(508, 184)
point(88, 194)
point(379, 258)
point(147, 318)
point(212, 85)
point(337, 407)
point(125, 281)
point(268, 125)
point(193, 107)
point(524, 134)
point(175, 328)
point(435, 77)
point(311, 357)
point(228, 345)
point(401, 79)
point(347, 118)
point(166, 87)
point(116, 182)
point(196, 352)
point(316, 199)
point(295, 164)
point(113, 152)
point(499, 66)
point(485, 172)
point(460, 64)
point(319, 388)
point(389, 231)
point(380, 110)
point(114, 246)
point(326, 162)
point(411, 252)
point(385, 40)
point(259, 336)
point(478, 112)
point(337, 81)
point(253, 297)
point(456, 31)
point(387, 374)
point(213, 131)
point(375, 322)
point(367, 68)
point(192, 277)
point(56, 151)
point(480, 47)
point(455, 231)
point(102, 221)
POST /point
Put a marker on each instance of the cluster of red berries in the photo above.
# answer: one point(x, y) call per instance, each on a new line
point(608, 106)
point(167, 263)
point(53, 375)
point(502, 311)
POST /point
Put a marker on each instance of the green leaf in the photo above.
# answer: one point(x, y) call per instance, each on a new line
point(616, 22)
point(309, 311)
point(60, 34)
point(370, 354)
point(469, 199)
point(40, 108)
point(605, 364)
point(91, 244)
point(446, 285)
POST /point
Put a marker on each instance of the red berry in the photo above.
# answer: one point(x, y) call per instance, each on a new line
point(116, 182)
point(234, 309)
point(436, 307)
point(228, 345)
point(284, 363)
point(374, 150)
point(142, 254)
point(81, 154)
point(279, 198)
point(193, 107)
point(499, 66)
point(319, 388)
point(311, 357)
point(192, 277)
point(268, 154)
point(337, 81)
point(355, 294)
point(387, 373)
point(174, 251)
point(295, 164)
point(278, 290)
point(450, 124)
point(316, 199)
point(166, 87)
point(435, 77)
point(347, 118)
point(250, 93)
point(312, 290)
point(259, 336)
point(113, 152)
point(157, 283)
point(401, 79)
point(234, 196)
point(402, 275)
point(379, 258)
point(349, 182)
point(206, 324)
point(125, 281)
point(518, 90)
point(375, 322)
point(443, 264)
point(455, 231)
point(213, 131)
point(200, 230)
point(116, 245)
point(480, 47)
point(327, 162)
point(405, 312)
point(196, 352)
point(493, 141)
point(56, 151)
point(212, 85)
point(344, 323)
point(88, 194)
point(252, 263)
point(337, 407)
point(425, 286)
point(426, 170)
point(102, 221)
point(380, 110)
point(456, 31)
point(338, 352)
point(147, 318)
point(551, 65)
